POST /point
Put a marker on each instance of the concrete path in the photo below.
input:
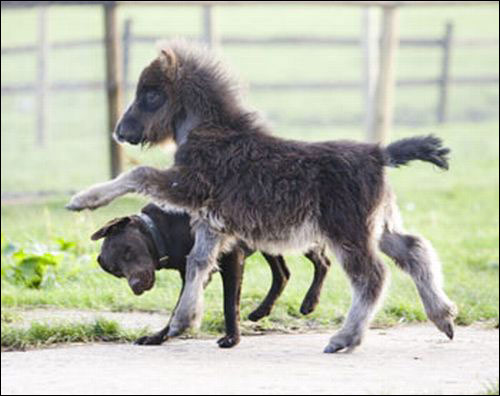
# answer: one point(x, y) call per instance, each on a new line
point(401, 360)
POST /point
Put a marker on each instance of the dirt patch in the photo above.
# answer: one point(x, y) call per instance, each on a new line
point(401, 360)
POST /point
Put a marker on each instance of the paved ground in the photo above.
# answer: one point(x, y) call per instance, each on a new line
point(401, 360)
point(128, 320)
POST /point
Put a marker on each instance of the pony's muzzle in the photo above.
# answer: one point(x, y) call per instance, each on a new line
point(129, 130)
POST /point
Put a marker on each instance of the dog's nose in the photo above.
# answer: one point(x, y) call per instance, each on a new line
point(134, 284)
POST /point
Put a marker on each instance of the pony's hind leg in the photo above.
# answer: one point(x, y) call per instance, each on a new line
point(416, 256)
point(367, 275)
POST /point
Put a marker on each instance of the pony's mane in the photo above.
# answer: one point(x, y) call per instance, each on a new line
point(208, 85)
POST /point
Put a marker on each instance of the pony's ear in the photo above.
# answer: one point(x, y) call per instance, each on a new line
point(168, 59)
point(109, 227)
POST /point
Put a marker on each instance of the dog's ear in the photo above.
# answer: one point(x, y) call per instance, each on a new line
point(109, 227)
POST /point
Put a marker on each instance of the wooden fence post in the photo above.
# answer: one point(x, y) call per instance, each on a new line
point(113, 84)
point(370, 47)
point(384, 92)
point(444, 80)
point(127, 41)
point(41, 83)
point(209, 30)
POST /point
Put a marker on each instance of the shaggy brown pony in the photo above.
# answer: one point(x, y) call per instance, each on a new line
point(239, 182)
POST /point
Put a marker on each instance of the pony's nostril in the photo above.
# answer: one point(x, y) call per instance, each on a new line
point(118, 128)
point(129, 130)
point(118, 135)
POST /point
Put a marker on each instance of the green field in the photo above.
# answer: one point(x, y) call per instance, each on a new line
point(75, 154)
point(456, 210)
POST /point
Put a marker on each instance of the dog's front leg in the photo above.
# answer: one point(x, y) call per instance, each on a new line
point(231, 268)
point(142, 179)
point(200, 262)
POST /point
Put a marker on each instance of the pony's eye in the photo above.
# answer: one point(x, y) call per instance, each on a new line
point(152, 97)
point(152, 100)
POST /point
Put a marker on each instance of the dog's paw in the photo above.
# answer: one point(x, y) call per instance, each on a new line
point(229, 341)
point(308, 305)
point(155, 339)
point(259, 313)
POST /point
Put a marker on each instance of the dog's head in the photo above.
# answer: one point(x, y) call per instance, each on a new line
point(182, 87)
point(127, 252)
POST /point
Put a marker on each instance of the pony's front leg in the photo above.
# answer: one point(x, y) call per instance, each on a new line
point(200, 262)
point(138, 180)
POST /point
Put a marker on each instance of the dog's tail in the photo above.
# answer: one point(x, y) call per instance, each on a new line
point(424, 148)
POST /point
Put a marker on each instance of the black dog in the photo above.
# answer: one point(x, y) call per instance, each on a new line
point(136, 246)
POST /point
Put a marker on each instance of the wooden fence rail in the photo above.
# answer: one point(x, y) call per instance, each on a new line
point(326, 85)
point(379, 95)
point(238, 41)
point(443, 81)
point(30, 4)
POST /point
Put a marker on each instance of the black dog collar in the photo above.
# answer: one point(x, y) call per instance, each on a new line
point(159, 243)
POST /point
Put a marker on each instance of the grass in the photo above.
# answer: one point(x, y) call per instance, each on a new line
point(492, 389)
point(43, 335)
point(456, 210)
point(10, 317)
